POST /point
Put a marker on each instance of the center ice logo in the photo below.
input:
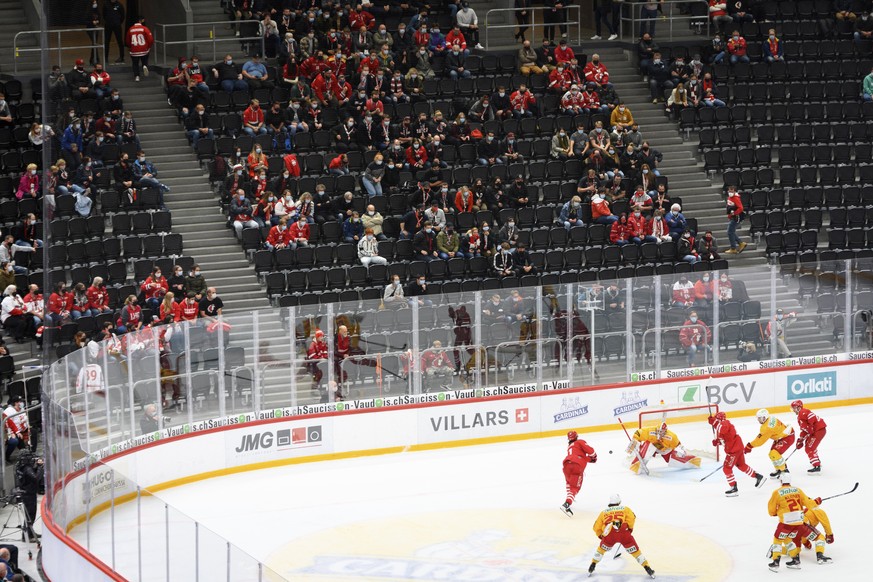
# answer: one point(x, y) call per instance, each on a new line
point(812, 385)
point(571, 408)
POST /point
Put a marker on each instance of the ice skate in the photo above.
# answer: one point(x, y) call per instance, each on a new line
point(649, 571)
point(815, 471)
point(793, 563)
point(774, 565)
point(822, 559)
point(566, 509)
point(775, 474)
point(732, 492)
point(591, 568)
point(759, 480)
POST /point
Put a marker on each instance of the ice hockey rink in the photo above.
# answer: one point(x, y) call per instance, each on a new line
point(490, 513)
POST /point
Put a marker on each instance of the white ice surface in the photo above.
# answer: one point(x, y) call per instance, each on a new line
point(491, 513)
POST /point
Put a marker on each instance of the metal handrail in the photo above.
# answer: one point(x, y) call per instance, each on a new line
point(60, 48)
point(213, 39)
point(639, 6)
point(679, 328)
point(533, 24)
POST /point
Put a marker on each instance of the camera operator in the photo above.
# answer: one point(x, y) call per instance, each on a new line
point(17, 428)
point(30, 479)
point(748, 352)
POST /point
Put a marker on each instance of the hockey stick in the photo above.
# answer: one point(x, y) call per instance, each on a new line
point(852, 490)
point(714, 471)
point(636, 452)
point(617, 551)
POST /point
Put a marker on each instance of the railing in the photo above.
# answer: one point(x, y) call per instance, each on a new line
point(533, 24)
point(524, 339)
point(165, 32)
point(635, 18)
point(95, 34)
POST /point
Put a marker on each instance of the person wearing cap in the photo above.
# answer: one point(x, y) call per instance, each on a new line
point(777, 327)
point(256, 75)
point(80, 82)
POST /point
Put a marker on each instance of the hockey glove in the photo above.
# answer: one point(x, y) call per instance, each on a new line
point(631, 447)
point(829, 538)
point(799, 443)
point(592, 458)
point(748, 449)
point(715, 442)
point(817, 500)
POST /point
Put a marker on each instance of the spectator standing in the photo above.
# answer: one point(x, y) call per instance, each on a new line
point(113, 25)
point(139, 43)
point(778, 326)
point(649, 16)
point(695, 336)
point(735, 216)
point(606, 12)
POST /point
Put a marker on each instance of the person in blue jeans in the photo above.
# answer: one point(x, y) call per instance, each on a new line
point(372, 178)
point(649, 16)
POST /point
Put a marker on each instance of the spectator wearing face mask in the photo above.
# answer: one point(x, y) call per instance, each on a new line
point(372, 221)
point(718, 15)
point(677, 101)
point(263, 210)
point(707, 248)
point(736, 48)
point(600, 210)
point(306, 207)
point(353, 230)
point(455, 61)
point(417, 290)
point(197, 125)
point(256, 75)
point(660, 230)
point(284, 207)
point(154, 288)
point(424, 243)
point(571, 213)
point(516, 194)
point(253, 119)
point(229, 75)
point(28, 185)
point(298, 233)
point(695, 336)
point(176, 283)
point(676, 222)
point(772, 48)
point(503, 263)
point(195, 283)
point(147, 175)
point(373, 175)
point(241, 213)
point(449, 244)
point(393, 295)
point(735, 216)
point(523, 102)
point(639, 227)
point(621, 115)
point(489, 151)
point(659, 78)
point(703, 292)
point(686, 249)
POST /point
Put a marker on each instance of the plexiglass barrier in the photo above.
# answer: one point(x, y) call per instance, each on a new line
point(162, 381)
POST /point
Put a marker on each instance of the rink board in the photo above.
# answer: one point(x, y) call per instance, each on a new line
point(459, 418)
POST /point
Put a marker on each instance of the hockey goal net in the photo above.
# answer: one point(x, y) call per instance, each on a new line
point(689, 423)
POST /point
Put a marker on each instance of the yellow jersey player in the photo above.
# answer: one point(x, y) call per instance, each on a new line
point(813, 518)
point(782, 436)
point(665, 443)
point(788, 503)
point(615, 525)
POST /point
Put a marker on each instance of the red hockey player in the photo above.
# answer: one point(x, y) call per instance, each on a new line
point(579, 454)
point(812, 430)
point(734, 454)
point(615, 525)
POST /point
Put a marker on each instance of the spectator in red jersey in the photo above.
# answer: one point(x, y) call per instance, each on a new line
point(154, 288)
point(695, 336)
point(640, 227)
point(523, 102)
point(563, 53)
point(253, 119)
point(298, 233)
point(683, 292)
point(703, 292)
point(169, 309)
point(35, 305)
point(100, 80)
point(139, 42)
point(619, 233)
point(189, 309)
point(81, 303)
point(437, 367)
point(131, 316)
point(316, 355)
point(596, 72)
point(339, 165)
point(736, 47)
point(278, 238)
point(59, 305)
point(718, 15)
point(735, 216)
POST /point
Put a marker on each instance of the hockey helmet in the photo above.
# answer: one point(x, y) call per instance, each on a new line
point(572, 436)
point(720, 416)
point(796, 404)
point(762, 415)
point(785, 477)
point(615, 499)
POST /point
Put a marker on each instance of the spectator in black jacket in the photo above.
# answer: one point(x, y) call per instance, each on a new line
point(237, 180)
point(517, 193)
point(500, 104)
point(455, 61)
point(659, 78)
point(197, 125)
point(344, 206)
point(123, 174)
point(646, 49)
point(229, 75)
point(864, 27)
point(546, 56)
point(113, 25)
point(413, 221)
point(323, 205)
point(489, 151)
point(522, 263)
point(80, 82)
point(740, 11)
point(424, 243)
